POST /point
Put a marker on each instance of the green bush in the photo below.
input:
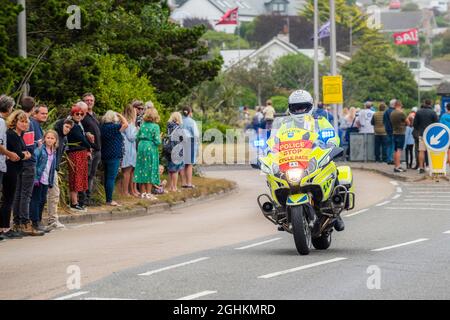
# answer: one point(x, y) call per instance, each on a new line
point(119, 84)
point(247, 97)
point(215, 125)
point(280, 103)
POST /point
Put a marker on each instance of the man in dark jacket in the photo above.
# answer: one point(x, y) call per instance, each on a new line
point(389, 132)
point(92, 128)
point(424, 117)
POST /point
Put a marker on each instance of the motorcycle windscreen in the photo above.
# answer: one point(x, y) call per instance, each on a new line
point(293, 148)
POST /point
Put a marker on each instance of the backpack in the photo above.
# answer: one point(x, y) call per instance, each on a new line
point(167, 145)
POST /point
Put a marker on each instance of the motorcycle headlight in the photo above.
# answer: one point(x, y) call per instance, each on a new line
point(294, 176)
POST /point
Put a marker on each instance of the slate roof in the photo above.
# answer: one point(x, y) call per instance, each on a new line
point(255, 7)
point(400, 21)
point(440, 65)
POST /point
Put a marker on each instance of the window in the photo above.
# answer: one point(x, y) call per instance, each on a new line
point(414, 64)
point(279, 7)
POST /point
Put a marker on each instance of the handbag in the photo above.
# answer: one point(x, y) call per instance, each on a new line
point(351, 129)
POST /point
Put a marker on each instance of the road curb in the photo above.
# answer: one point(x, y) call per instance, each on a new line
point(140, 211)
point(394, 176)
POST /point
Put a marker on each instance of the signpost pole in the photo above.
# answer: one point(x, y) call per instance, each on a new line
point(316, 53)
point(333, 58)
point(418, 74)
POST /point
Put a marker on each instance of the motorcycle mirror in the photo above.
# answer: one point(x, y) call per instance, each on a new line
point(336, 153)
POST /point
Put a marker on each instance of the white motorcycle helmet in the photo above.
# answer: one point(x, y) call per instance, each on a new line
point(300, 103)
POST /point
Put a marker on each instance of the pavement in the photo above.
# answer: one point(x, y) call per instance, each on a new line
point(388, 170)
point(40, 267)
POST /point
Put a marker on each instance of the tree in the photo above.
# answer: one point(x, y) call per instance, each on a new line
point(348, 15)
point(374, 74)
point(11, 66)
point(280, 103)
point(193, 22)
point(294, 71)
point(118, 84)
point(257, 76)
point(445, 43)
point(217, 98)
point(172, 57)
point(410, 6)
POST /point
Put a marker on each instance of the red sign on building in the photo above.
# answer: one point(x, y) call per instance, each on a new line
point(408, 37)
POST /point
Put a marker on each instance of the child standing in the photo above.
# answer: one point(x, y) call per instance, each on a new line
point(409, 143)
point(44, 178)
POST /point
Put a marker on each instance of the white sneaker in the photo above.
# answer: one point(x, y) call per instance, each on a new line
point(56, 225)
point(59, 225)
point(143, 195)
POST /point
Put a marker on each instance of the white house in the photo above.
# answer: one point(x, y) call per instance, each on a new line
point(212, 10)
point(271, 51)
point(424, 76)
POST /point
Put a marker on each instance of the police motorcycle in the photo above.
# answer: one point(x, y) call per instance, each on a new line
point(307, 191)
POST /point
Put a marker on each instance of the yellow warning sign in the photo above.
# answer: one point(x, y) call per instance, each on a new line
point(332, 90)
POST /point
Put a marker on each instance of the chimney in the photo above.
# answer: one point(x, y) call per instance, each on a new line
point(284, 34)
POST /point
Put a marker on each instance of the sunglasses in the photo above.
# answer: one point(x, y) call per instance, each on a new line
point(78, 114)
point(139, 108)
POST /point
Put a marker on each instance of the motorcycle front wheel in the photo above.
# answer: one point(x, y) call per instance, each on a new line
point(323, 242)
point(301, 230)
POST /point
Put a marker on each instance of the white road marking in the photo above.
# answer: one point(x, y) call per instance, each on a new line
point(425, 188)
point(424, 200)
point(95, 298)
point(430, 192)
point(73, 295)
point(401, 244)
point(415, 202)
point(447, 232)
point(382, 204)
point(399, 189)
point(312, 265)
point(355, 213)
point(415, 208)
point(396, 196)
point(173, 266)
point(257, 244)
point(88, 225)
point(197, 295)
point(428, 197)
point(395, 183)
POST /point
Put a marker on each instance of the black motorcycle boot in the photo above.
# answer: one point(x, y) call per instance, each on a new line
point(339, 224)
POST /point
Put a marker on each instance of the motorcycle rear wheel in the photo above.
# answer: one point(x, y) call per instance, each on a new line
point(301, 230)
point(323, 242)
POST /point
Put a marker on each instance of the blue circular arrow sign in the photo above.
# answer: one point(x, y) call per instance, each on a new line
point(437, 137)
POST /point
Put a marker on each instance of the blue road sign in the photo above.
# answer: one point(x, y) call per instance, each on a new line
point(437, 137)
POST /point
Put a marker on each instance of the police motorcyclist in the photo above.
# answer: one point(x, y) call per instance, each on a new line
point(300, 112)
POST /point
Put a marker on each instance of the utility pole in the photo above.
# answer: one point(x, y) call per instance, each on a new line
point(333, 57)
point(316, 53)
point(22, 37)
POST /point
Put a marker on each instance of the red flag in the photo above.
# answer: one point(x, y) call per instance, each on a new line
point(230, 17)
point(408, 37)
